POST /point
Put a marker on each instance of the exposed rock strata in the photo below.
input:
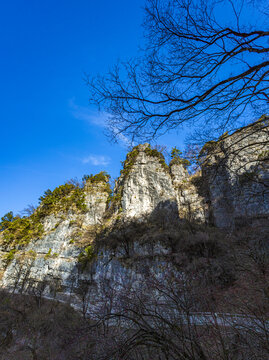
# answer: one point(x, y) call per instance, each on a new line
point(146, 185)
point(229, 191)
point(236, 174)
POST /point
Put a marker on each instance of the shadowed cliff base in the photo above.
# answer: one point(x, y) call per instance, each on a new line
point(154, 287)
point(192, 292)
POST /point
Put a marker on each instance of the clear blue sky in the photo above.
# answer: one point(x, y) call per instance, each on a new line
point(49, 133)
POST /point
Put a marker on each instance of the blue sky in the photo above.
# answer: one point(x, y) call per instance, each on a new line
point(49, 132)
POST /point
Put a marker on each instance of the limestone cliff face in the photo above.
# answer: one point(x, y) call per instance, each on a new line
point(236, 174)
point(147, 187)
point(191, 204)
point(50, 264)
point(233, 184)
point(147, 184)
point(150, 183)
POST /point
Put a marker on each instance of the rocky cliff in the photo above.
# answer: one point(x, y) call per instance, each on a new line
point(236, 174)
point(90, 236)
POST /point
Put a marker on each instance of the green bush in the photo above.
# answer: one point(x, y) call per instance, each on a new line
point(129, 162)
point(7, 258)
point(50, 255)
point(155, 153)
point(6, 220)
point(63, 198)
point(176, 158)
point(87, 256)
point(19, 231)
point(103, 176)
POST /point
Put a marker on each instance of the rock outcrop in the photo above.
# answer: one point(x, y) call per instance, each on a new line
point(50, 264)
point(233, 185)
point(146, 184)
point(235, 172)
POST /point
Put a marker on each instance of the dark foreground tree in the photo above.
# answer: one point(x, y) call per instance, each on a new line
point(205, 62)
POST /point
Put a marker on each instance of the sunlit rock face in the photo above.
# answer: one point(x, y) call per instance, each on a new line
point(49, 265)
point(49, 261)
point(191, 204)
point(231, 186)
point(236, 174)
point(149, 183)
point(95, 199)
point(179, 174)
point(146, 186)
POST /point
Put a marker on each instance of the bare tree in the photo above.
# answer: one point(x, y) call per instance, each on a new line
point(205, 62)
point(29, 210)
point(159, 319)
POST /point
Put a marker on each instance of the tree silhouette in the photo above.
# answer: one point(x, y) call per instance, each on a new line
point(204, 63)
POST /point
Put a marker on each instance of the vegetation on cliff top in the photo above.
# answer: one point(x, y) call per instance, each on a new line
point(101, 178)
point(129, 162)
point(177, 159)
point(16, 231)
point(213, 145)
point(114, 200)
point(157, 154)
point(62, 198)
point(132, 156)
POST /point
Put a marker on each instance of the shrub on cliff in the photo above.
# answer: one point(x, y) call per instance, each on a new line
point(62, 198)
point(176, 158)
point(18, 231)
point(6, 220)
point(87, 256)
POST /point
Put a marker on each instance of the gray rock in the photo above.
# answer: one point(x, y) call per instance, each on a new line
point(233, 185)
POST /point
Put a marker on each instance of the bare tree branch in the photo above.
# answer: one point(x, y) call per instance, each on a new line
point(198, 67)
